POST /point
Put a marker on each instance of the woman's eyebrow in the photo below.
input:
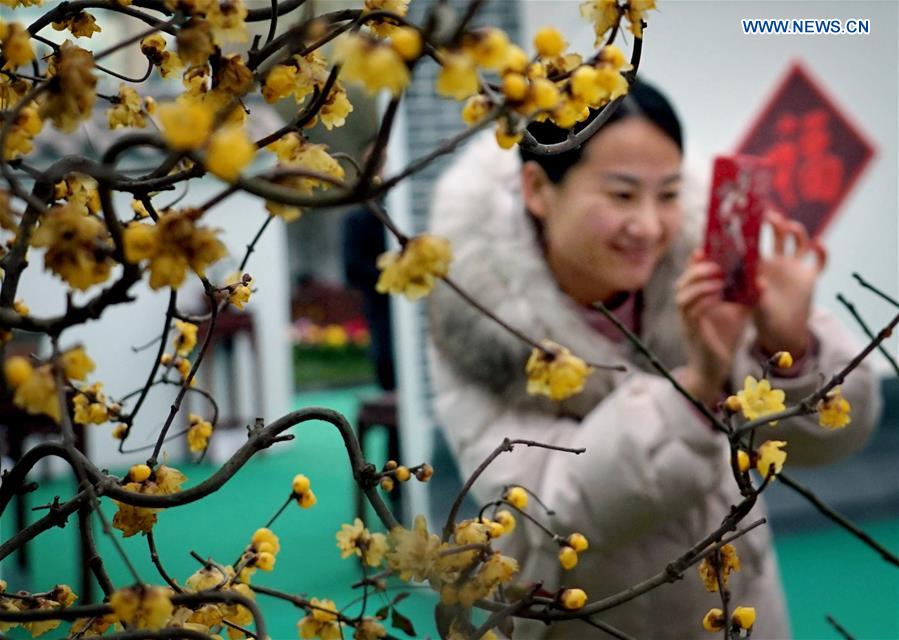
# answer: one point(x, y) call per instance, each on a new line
point(635, 181)
point(623, 177)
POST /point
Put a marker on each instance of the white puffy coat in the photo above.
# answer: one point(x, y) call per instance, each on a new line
point(655, 478)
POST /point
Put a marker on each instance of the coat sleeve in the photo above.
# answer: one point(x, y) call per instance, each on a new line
point(807, 442)
point(649, 457)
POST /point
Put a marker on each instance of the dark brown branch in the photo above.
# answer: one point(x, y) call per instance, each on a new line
point(839, 519)
point(506, 445)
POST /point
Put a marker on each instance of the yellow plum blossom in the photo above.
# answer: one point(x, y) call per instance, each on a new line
point(413, 270)
point(198, 433)
point(458, 76)
point(713, 620)
point(142, 607)
point(573, 598)
point(413, 554)
point(321, 622)
point(833, 410)
point(372, 64)
point(185, 124)
point(71, 240)
point(554, 372)
point(758, 399)
point(708, 568)
point(355, 539)
point(383, 28)
point(230, 150)
point(127, 111)
point(15, 44)
point(771, 457)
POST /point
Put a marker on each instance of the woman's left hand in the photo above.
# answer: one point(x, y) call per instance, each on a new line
point(787, 282)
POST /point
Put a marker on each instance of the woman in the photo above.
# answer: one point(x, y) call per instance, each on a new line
point(538, 241)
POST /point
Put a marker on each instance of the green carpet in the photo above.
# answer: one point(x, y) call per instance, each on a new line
point(824, 572)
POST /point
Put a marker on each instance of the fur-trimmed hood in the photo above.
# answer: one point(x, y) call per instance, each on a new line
point(477, 205)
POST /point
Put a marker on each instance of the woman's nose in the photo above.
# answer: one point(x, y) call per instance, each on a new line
point(646, 224)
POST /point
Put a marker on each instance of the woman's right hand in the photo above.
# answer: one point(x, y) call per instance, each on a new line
point(712, 327)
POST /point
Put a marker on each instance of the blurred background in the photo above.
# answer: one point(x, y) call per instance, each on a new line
point(314, 333)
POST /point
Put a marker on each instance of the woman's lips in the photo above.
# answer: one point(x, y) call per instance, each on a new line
point(635, 254)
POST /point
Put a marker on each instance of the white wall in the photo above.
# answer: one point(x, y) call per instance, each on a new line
point(719, 79)
point(109, 340)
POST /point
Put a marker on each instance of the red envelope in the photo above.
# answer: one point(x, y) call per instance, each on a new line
point(737, 203)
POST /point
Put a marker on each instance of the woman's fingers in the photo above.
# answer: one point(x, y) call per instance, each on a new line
point(698, 271)
point(689, 294)
point(820, 254)
point(800, 236)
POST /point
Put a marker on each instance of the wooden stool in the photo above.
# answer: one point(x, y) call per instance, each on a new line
point(228, 326)
point(380, 412)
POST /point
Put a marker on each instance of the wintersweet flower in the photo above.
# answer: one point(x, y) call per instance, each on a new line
point(72, 239)
point(708, 568)
point(554, 372)
point(413, 270)
point(372, 64)
point(154, 48)
point(230, 150)
point(17, 370)
point(301, 488)
point(336, 108)
point(603, 14)
point(383, 28)
point(142, 607)
point(758, 399)
point(90, 405)
point(186, 337)
point(713, 620)
point(413, 553)
point(507, 520)
point(76, 364)
point(15, 43)
point(280, 82)
point(743, 617)
point(573, 598)
point(406, 41)
point(369, 629)
point(458, 77)
point(517, 497)
point(476, 109)
point(35, 391)
point(174, 244)
point(186, 124)
point(81, 25)
point(321, 622)
point(771, 457)
point(198, 433)
point(488, 47)
point(568, 558)
point(238, 287)
point(72, 94)
point(549, 42)
point(127, 110)
point(355, 539)
point(833, 410)
point(264, 539)
point(635, 14)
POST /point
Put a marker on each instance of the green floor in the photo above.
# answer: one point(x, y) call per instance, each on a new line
point(824, 572)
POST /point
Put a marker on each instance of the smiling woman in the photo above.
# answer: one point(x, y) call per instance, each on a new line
point(538, 241)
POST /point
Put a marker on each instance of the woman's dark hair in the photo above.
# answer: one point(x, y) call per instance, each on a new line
point(642, 101)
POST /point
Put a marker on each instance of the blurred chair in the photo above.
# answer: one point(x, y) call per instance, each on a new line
point(16, 427)
point(230, 327)
point(380, 411)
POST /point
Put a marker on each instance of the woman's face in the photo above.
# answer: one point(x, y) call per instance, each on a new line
point(614, 214)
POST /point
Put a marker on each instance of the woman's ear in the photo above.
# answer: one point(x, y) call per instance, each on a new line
point(536, 189)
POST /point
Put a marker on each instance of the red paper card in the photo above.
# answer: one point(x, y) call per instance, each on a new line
point(815, 152)
point(736, 206)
